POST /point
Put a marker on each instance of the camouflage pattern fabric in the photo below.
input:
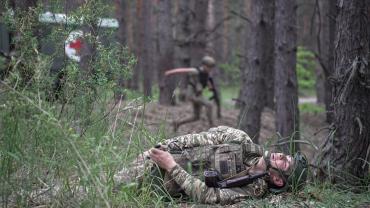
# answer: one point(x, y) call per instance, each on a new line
point(214, 136)
point(194, 88)
point(193, 186)
point(198, 191)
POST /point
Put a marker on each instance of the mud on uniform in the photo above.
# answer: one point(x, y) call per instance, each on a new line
point(198, 80)
point(196, 188)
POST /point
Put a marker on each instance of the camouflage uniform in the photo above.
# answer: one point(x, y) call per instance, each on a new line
point(194, 94)
point(194, 187)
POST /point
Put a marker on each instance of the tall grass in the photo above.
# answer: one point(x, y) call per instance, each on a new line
point(47, 160)
point(65, 152)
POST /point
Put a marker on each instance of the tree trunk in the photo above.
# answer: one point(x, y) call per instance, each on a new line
point(330, 61)
point(217, 21)
point(130, 25)
point(268, 54)
point(198, 31)
point(247, 11)
point(254, 87)
point(165, 52)
point(286, 87)
point(135, 79)
point(121, 13)
point(146, 57)
point(182, 43)
point(226, 32)
point(346, 154)
point(325, 49)
point(320, 84)
point(210, 25)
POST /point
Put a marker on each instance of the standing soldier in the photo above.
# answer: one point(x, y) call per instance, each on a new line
point(199, 78)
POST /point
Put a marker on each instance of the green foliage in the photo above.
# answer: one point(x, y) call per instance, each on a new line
point(64, 153)
point(231, 71)
point(2, 65)
point(229, 92)
point(314, 195)
point(305, 69)
point(311, 108)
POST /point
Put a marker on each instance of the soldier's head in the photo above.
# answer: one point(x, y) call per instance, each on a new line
point(208, 63)
point(286, 171)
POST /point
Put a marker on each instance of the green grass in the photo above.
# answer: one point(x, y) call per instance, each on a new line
point(311, 108)
point(315, 196)
point(39, 150)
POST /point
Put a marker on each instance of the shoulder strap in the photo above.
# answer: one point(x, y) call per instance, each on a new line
point(240, 174)
point(203, 77)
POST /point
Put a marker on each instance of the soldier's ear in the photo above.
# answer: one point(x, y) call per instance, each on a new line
point(277, 180)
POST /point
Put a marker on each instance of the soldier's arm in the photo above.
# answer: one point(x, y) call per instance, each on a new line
point(180, 71)
point(198, 191)
point(214, 136)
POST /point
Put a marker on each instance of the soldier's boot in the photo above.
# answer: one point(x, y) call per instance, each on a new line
point(175, 126)
point(210, 115)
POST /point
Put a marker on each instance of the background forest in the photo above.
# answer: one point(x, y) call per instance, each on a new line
point(83, 92)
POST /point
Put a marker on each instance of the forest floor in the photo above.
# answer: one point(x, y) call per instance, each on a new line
point(313, 130)
point(312, 125)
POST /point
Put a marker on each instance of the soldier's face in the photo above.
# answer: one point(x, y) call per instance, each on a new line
point(207, 68)
point(281, 161)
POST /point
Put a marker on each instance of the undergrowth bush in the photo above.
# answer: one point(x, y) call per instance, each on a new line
point(230, 71)
point(63, 151)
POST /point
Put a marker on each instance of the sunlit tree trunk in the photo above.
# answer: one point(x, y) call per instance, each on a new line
point(346, 152)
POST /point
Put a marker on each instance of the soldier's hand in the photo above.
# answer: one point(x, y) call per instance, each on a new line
point(162, 158)
point(161, 147)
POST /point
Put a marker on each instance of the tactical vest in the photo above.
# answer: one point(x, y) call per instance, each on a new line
point(202, 78)
point(227, 159)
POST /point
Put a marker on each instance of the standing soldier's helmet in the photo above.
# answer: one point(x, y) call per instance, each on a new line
point(295, 177)
point(208, 61)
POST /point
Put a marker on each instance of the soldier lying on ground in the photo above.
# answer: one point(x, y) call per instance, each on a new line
point(228, 151)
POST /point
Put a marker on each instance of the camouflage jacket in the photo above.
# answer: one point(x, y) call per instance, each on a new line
point(195, 188)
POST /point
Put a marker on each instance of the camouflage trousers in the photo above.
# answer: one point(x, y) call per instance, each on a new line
point(198, 102)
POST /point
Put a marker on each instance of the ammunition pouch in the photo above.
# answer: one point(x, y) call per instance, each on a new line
point(211, 178)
